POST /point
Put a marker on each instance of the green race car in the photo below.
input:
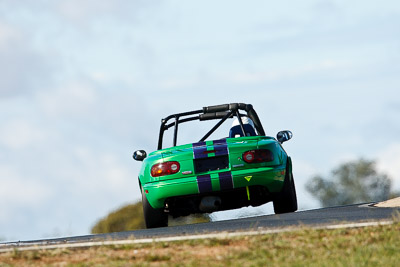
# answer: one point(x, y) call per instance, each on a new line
point(246, 168)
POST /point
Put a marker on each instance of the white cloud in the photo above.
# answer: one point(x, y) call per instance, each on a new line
point(100, 171)
point(388, 161)
point(302, 172)
point(8, 36)
point(20, 192)
point(84, 12)
point(20, 134)
point(22, 69)
point(81, 10)
point(73, 99)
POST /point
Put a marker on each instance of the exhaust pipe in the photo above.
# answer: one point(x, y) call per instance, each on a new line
point(210, 204)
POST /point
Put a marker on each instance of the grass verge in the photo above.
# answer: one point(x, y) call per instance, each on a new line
point(368, 246)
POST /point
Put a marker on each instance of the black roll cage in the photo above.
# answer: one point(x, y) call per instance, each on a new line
point(222, 112)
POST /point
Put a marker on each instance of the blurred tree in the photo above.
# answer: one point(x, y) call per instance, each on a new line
point(351, 183)
point(130, 217)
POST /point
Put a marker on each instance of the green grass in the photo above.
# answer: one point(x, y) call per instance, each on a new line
point(369, 246)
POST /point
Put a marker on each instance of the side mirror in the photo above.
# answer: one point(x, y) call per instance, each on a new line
point(284, 136)
point(139, 155)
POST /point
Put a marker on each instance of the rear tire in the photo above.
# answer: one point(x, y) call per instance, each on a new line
point(286, 201)
point(153, 217)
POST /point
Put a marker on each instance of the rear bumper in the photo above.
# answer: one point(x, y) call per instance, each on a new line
point(269, 177)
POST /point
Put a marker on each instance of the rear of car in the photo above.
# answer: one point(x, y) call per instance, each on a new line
point(248, 168)
point(237, 172)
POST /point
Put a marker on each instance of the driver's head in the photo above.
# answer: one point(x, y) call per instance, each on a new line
point(245, 120)
point(236, 130)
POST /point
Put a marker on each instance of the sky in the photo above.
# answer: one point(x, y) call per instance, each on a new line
point(85, 83)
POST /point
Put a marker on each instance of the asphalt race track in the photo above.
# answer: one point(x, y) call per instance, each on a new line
point(310, 218)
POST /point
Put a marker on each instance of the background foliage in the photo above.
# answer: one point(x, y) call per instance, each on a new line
point(126, 218)
point(350, 183)
point(130, 217)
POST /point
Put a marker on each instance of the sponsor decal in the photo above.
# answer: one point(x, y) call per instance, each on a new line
point(248, 178)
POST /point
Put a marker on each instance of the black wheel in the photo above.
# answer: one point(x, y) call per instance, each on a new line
point(286, 201)
point(153, 217)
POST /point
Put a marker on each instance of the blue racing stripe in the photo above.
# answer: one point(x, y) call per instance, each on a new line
point(204, 183)
point(221, 147)
point(199, 150)
point(225, 180)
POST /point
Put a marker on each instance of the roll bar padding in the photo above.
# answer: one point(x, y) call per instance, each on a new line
point(210, 113)
point(212, 116)
point(226, 107)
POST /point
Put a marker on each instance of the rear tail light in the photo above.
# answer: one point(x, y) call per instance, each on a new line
point(165, 168)
point(258, 156)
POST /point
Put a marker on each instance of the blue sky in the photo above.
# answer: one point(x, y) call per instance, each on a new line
point(85, 83)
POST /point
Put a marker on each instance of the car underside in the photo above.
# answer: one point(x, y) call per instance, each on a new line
point(218, 201)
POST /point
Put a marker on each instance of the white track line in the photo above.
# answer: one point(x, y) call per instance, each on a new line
point(222, 235)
